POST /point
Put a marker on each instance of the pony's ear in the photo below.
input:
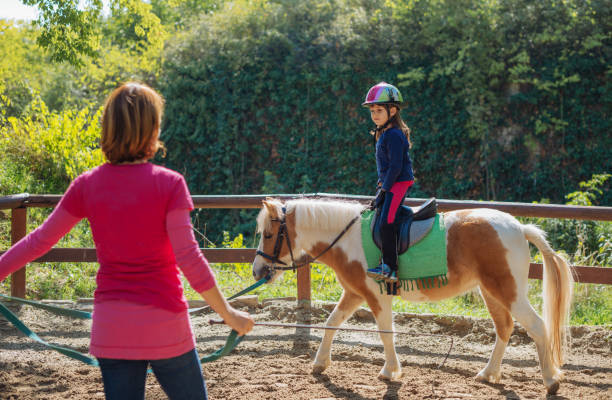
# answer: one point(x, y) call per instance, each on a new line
point(268, 203)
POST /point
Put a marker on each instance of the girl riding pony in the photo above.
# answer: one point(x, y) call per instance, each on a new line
point(394, 167)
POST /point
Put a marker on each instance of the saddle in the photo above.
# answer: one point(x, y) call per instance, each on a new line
point(412, 224)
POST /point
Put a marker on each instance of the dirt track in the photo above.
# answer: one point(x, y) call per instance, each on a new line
point(274, 363)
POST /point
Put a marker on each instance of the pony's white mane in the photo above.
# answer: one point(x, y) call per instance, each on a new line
point(323, 214)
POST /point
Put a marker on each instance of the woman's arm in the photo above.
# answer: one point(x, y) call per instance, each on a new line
point(38, 242)
point(197, 271)
point(187, 252)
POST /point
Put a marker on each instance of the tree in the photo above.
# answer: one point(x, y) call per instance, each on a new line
point(72, 30)
point(69, 33)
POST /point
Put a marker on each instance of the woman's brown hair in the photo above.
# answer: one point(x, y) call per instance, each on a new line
point(130, 123)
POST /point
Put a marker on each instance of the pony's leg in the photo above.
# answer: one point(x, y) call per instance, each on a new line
point(392, 369)
point(502, 319)
point(535, 327)
point(344, 309)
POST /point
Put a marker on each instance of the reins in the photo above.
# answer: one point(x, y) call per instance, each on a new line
point(283, 233)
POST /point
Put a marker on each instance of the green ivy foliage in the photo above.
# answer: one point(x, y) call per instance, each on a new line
point(508, 100)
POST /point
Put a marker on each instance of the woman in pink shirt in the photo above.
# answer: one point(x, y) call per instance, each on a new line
point(139, 218)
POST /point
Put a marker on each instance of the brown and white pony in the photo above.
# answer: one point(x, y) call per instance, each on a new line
point(486, 248)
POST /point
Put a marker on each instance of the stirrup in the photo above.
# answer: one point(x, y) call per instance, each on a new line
point(391, 277)
point(380, 272)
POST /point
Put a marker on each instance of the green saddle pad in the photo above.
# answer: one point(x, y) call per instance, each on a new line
point(421, 264)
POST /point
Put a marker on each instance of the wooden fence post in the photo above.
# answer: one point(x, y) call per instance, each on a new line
point(19, 218)
point(303, 285)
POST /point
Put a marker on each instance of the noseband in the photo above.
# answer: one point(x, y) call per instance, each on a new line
point(283, 233)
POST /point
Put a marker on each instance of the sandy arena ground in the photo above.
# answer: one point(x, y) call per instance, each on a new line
point(275, 363)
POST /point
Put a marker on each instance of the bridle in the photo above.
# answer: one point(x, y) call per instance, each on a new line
point(283, 234)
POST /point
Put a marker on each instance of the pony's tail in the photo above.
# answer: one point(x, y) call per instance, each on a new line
point(557, 291)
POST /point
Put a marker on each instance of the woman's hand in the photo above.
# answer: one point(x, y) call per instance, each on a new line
point(239, 321)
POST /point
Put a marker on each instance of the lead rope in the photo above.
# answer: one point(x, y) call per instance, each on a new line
point(231, 342)
point(337, 328)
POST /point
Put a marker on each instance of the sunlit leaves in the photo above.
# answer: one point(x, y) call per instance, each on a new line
point(51, 148)
point(70, 28)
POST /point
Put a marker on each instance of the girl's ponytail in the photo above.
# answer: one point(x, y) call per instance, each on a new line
point(403, 127)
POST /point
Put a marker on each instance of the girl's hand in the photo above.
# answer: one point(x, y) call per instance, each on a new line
point(379, 199)
point(239, 321)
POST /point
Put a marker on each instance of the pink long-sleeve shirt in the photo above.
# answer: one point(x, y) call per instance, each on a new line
point(139, 217)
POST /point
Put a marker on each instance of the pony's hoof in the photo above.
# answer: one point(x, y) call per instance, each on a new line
point(383, 377)
point(553, 388)
point(386, 375)
point(318, 368)
point(484, 376)
point(552, 384)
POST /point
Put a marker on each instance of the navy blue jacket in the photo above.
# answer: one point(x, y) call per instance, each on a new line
point(393, 162)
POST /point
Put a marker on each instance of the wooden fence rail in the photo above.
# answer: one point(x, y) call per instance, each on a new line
point(594, 213)
point(19, 203)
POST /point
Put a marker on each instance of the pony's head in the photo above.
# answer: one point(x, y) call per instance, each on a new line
point(276, 227)
point(289, 231)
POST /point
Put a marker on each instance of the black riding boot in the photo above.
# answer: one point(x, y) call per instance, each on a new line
point(389, 250)
point(389, 245)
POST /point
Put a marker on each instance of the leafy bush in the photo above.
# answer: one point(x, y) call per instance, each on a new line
point(585, 242)
point(43, 151)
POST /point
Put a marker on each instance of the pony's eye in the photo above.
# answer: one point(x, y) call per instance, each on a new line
point(267, 235)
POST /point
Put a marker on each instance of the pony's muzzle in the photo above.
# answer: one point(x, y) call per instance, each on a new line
point(265, 272)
